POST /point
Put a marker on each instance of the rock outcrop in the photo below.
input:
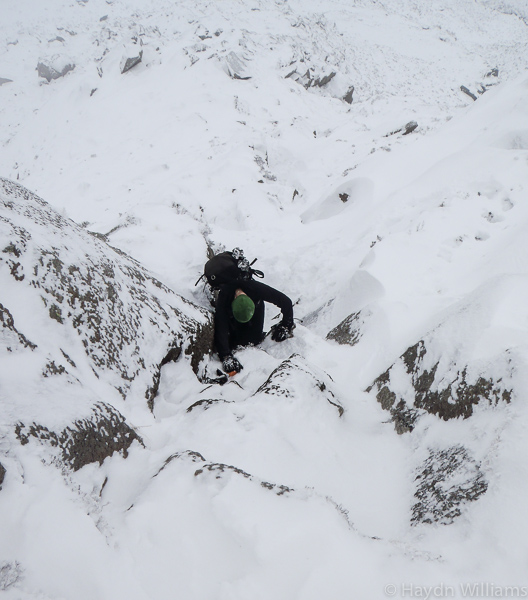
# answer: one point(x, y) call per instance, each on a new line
point(127, 323)
point(77, 314)
point(457, 371)
point(87, 440)
point(53, 69)
point(348, 331)
point(446, 482)
point(293, 376)
point(131, 60)
point(448, 391)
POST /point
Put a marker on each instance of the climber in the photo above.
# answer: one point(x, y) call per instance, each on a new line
point(239, 318)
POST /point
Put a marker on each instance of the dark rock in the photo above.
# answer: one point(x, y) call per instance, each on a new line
point(464, 89)
point(87, 440)
point(348, 331)
point(97, 292)
point(2, 474)
point(131, 62)
point(48, 72)
point(236, 67)
point(446, 482)
point(53, 369)
point(410, 127)
point(308, 79)
point(348, 97)
point(322, 81)
point(11, 339)
point(493, 73)
point(447, 400)
point(405, 130)
point(152, 390)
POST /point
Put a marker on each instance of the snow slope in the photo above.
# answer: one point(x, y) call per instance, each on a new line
point(291, 482)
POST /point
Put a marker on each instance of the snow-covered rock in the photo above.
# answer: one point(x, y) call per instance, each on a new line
point(403, 249)
point(132, 58)
point(54, 68)
point(446, 481)
point(460, 363)
point(296, 380)
point(97, 318)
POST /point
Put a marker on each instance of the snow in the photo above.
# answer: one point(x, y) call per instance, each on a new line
point(176, 156)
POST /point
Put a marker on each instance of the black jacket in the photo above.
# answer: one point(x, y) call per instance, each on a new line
point(229, 333)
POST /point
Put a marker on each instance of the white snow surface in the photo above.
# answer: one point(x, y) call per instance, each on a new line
point(208, 142)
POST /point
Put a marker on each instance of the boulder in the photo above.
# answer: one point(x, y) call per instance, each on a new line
point(235, 67)
point(309, 79)
point(130, 61)
point(405, 130)
point(447, 480)
point(348, 97)
point(466, 91)
point(53, 68)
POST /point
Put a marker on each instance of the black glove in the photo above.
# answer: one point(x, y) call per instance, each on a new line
point(231, 364)
point(281, 332)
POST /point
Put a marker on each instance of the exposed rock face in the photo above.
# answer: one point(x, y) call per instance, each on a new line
point(87, 440)
point(309, 79)
point(111, 304)
point(464, 89)
point(405, 130)
point(235, 67)
point(447, 480)
point(130, 62)
point(10, 337)
point(348, 331)
point(447, 397)
point(76, 313)
point(349, 96)
point(2, 474)
point(293, 375)
point(448, 373)
point(49, 71)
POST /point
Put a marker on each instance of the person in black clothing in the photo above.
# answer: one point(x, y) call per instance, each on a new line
point(239, 318)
